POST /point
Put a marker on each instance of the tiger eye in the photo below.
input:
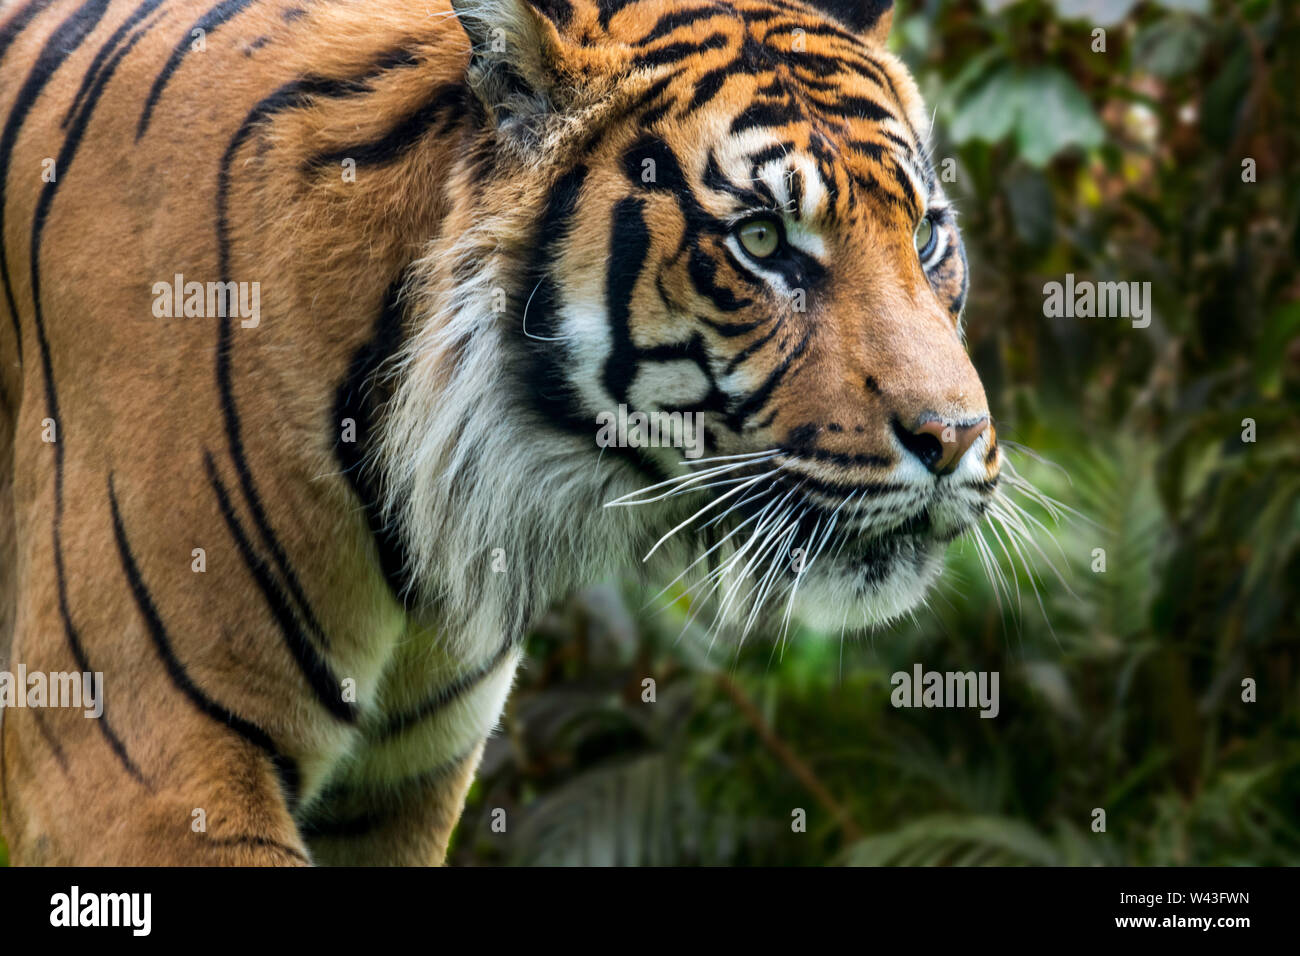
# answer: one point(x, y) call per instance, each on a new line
point(759, 237)
point(924, 236)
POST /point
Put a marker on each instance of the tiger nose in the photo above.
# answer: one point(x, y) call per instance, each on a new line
point(940, 445)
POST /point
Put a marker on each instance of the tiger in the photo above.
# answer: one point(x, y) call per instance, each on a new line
point(311, 310)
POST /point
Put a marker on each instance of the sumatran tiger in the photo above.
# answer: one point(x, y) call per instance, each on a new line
point(310, 312)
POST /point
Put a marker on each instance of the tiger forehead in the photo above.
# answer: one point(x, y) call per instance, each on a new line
point(793, 102)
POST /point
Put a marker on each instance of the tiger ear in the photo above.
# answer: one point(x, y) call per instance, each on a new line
point(515, 56)
point(871, 18)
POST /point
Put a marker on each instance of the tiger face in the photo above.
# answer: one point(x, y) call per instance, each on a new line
point(741, 224)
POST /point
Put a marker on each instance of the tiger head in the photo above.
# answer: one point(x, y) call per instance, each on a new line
point(712, 209)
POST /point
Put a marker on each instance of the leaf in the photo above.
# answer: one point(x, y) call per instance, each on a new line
point(1169, 48)
point(1043, 106)
point(631, 814)
point(947, 840)
point(988, 113)
point(1054, 114)
point(1102, 13)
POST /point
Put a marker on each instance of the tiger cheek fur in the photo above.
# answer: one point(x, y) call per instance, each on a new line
point(302, 536)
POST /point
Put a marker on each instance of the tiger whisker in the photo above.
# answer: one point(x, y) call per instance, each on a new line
point(769, 453)
point(710, 505)
point(678, 484)
point(731, 534)
point(760, 536)
point(1000, 518)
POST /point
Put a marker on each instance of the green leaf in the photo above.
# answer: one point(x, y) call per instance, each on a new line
point(988, 113)
point(1169, 48)
point(945, 839)
point(1044, 107)
point(1102, 13)
point(1054, 115)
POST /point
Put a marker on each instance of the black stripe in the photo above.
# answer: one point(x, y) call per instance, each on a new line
point(668, 173)
point(854, 107)
point(394, 798)
point(960, 301)
point(769, 153)
point(876, 151)
point(559, 12)
point(760, 397)
point(842, 489)
point(656, 113)
point(209, 22)
point(669, 22)
point(818, 64)
point(608, 8)
point(402, 137)
point(629, 246)
point(286, 769)
point(796, 190)
point(703, 271)
point(261, 842)
point(731, 331)
point(811, 29)
point(843, 459)
point(38, 717)
point(652, 93)
point(65, 40)
point(444, 696)
point(878, 189)
point(676, 52)
point(325, 686)
point(18, 23)
point(109, 47)
point(881, 76)
point(538, 303)
point(709, 85)
point(295, 94)
point(716, 180)
point(909, 193)
point(752, 347)
point(861, 15)
point(292, 95)
point(766, 114)
point(356, 826)
point(354, 400)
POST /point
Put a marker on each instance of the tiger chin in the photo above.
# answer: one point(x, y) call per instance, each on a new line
point(303, 550)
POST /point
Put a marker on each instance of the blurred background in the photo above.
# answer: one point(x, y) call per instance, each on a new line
point(1125, 691)
point(1120, 690)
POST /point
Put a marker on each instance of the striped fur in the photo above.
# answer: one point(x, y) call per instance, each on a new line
point(462, 261)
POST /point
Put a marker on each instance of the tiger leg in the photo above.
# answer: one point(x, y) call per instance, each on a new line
point(439, 712)
point(405, 824)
